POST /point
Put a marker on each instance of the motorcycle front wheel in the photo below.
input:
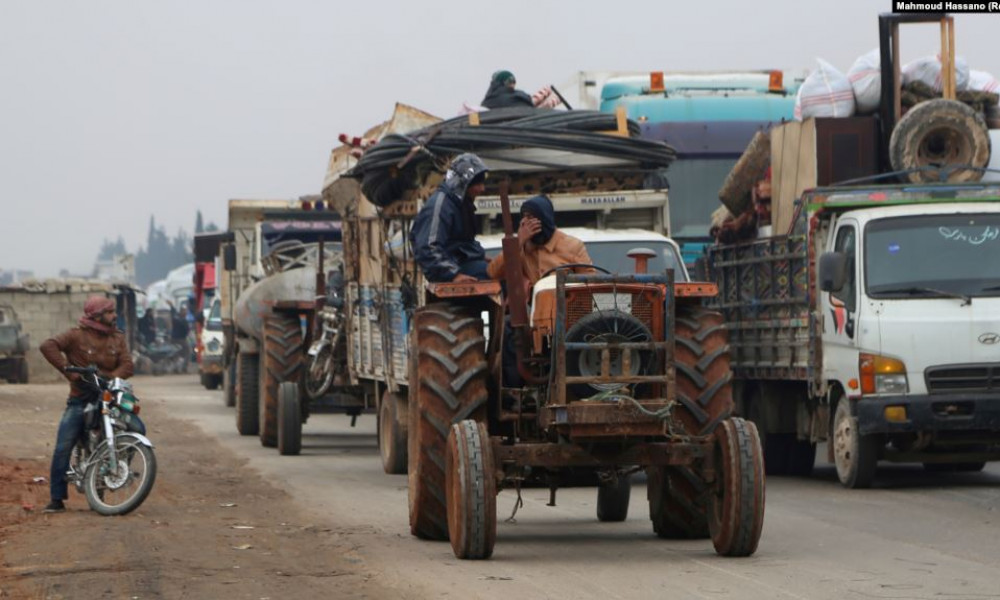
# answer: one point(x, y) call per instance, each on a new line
point(120, 491)
point(319, 377)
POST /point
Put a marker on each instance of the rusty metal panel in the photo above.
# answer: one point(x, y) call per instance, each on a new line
point(570, 455)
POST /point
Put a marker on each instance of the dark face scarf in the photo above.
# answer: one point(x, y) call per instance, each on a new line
point(541, 208)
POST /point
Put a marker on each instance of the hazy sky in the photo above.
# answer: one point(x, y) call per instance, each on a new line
point(114, 110)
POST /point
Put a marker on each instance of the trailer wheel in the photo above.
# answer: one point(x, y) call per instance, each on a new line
point(854, 455)
point(281, 360)
point(676, 507)
point(448, 374)
point(613, 498)
point(392, 434)
point(736, 509)
point(248, 376)
point(704, 381)
point(472, 491)
point(289, 419)
point(936, 133)
point(229, 384)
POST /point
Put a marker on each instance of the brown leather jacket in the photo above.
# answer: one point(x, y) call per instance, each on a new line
point(83, 346)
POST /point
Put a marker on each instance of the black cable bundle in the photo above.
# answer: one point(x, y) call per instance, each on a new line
point(396, 163)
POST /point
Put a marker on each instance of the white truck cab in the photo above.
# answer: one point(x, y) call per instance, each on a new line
point(911, 326)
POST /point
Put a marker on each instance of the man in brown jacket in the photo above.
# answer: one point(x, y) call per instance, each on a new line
point(95, 342)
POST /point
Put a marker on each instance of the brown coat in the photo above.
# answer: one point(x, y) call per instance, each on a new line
point(82, 347)
point(561, 249)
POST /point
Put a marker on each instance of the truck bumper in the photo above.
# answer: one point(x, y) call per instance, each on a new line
point(929, 413)
point(211, 364)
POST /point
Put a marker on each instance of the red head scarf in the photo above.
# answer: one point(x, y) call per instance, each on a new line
point(94, 307)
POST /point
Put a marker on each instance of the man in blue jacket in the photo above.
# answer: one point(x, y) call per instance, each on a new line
point(444, 232)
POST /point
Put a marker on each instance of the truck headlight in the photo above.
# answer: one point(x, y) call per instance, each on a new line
point(882, 375)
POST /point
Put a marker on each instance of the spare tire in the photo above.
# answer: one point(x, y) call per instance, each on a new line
point(940, 133)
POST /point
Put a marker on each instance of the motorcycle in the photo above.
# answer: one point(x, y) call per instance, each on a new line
point(323, 367)
point(112, 465)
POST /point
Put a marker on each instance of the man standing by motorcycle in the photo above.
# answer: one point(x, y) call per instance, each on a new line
point(96, 341)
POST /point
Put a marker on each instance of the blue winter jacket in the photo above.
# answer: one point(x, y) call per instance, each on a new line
point(444, 233)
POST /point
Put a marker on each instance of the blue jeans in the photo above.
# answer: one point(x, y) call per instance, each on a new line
point(70, 430)
point(475, 268)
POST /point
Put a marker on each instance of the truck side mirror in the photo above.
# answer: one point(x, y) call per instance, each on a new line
point(229, 257)
point(832, 271)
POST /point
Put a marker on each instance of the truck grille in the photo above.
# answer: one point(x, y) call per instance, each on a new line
point(580, 303)
point(955, 379)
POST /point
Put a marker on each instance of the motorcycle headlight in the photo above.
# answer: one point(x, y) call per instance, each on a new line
point(213, 346)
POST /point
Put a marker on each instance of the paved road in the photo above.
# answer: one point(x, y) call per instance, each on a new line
point(917, 535)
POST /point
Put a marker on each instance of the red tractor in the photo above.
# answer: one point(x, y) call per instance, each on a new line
point(623, 373)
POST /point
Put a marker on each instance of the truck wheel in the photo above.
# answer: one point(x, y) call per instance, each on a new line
point(22, 371)
point(247, 394)
point(229, 384)
point(704, 382)
point(289, 419)
point(472, 491)
point(936, 133)
point(612, 500)
point(736, 508)
point(447, 385)
point(392, 434)
point(855, 455)
point(281, 360)
point(676, 507)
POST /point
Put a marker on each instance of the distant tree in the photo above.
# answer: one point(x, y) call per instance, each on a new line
point(211, 227)
point(199, 224)
point(161, 254)
point(109, 249)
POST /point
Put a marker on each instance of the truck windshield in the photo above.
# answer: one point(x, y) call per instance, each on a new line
point(694, 194)
point(613, 256)
point(933, 255)
point(8, 337)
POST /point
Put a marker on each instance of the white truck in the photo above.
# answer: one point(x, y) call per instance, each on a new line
point(875, 326)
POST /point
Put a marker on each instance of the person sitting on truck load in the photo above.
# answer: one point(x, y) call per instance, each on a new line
point(503, 94)
point(95, 342)
point(542, 245)
point(444, 233)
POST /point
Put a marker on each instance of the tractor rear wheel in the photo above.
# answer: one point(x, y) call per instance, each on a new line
point(248, 376)
point(448, 374)
point(472, 491)
point(736, 509)
point(280, 361)
point(704, 382)
point(676, 505)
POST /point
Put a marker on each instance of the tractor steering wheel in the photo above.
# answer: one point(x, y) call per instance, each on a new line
point(573, 266)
